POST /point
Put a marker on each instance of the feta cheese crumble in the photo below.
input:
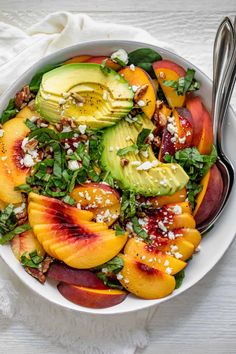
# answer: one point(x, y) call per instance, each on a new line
point(120, 57)
point(132, 67)
point(177, 209)
point(141, 103)
point(82, 128)
point(28, 161)
point(73, 165)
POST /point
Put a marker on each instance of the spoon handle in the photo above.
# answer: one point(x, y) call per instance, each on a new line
point(222, 55)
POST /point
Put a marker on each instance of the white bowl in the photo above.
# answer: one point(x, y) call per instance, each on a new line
point(213, 245)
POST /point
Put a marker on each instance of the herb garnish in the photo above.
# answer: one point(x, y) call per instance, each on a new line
point(112, 267)
point(119, 230)
point(128, 205)
point(139, 146)
point(195, 165)
point(9, 112)
point(37, 78)
point(105, 69)
point(184, 84)
point(33, 260)
point(16, 231)
point(139, 230)
point(8, 225)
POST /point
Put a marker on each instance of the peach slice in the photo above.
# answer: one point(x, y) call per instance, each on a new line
point(62, 273)
point(109, 63)
point(210, 196)
point(179, 247)
point(78, 59)
point(183, 206)
point(158, 202)
point(27, 113)
point(168, 70)
point(145, 281)
point(184, 220)
point(139, 78)
point(206, 140)
point(191, 235)
point(67, 233)
point(26, 243)
point(194, 105)
point(11, 153)
point(100, 199)
point(151, 256)
point(93, 298)
point(7, 186)
point(2, 205)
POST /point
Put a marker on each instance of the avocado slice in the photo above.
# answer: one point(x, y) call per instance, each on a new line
point(84, 92)
point(161, 179)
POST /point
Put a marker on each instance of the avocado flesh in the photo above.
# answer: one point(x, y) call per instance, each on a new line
point(107, 97)
point(164, 179)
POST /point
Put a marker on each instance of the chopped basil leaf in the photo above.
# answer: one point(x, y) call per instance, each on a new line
point(179, 277)
point(30, 125)
point(105, 69)
point(7, 219)
point(33, 260)
point(119, 230)
point(9, 112)
point(68, 200)
point(107, 178)
point(138, 229)
point(25, 188)
point(195, 165)
point(127, 149)
point(128, 205)
point(109, 281)
point(141, 139)
point(10, 235)
point(184, 84)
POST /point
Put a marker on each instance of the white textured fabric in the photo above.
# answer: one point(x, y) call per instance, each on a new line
point(78, 333)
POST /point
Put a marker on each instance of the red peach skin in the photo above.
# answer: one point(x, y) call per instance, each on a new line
point(93, 298)
point(62, 273)
point(209, 198)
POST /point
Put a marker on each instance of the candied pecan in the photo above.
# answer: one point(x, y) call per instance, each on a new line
point(83, 137)
point(46, 264)
point(59, 127)
point(162, 75)
point(124, 162)
point(162, 119)
point(22, 97)
point(140, 92)
point(77, 97)
point(32, 144)
point(159, 104)
point(49, 170)
point(41, 123)
point(157, 141)
point(36, 273)
point(31, 105)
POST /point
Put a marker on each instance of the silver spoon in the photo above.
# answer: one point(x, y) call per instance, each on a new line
point(224, 76)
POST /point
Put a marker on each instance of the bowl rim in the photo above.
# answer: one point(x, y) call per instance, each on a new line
point(79, 47)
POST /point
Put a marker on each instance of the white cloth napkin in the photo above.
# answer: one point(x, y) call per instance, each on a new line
point(79, 333)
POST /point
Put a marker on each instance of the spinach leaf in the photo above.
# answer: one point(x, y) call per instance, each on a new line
point(179, 277)
point(144, 57)
point(37, 78)
point(184, 84)
point(9, 112)
point(114, 266)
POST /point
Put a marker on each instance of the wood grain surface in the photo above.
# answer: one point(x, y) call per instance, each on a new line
point(203, 319)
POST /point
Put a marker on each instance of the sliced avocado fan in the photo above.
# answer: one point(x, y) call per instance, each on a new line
point(85, 93)
point(158, 179)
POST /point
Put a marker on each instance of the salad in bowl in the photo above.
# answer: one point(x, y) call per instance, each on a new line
point(107, 171)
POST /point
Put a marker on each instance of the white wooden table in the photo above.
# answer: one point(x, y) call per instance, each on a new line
point(203, 320)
